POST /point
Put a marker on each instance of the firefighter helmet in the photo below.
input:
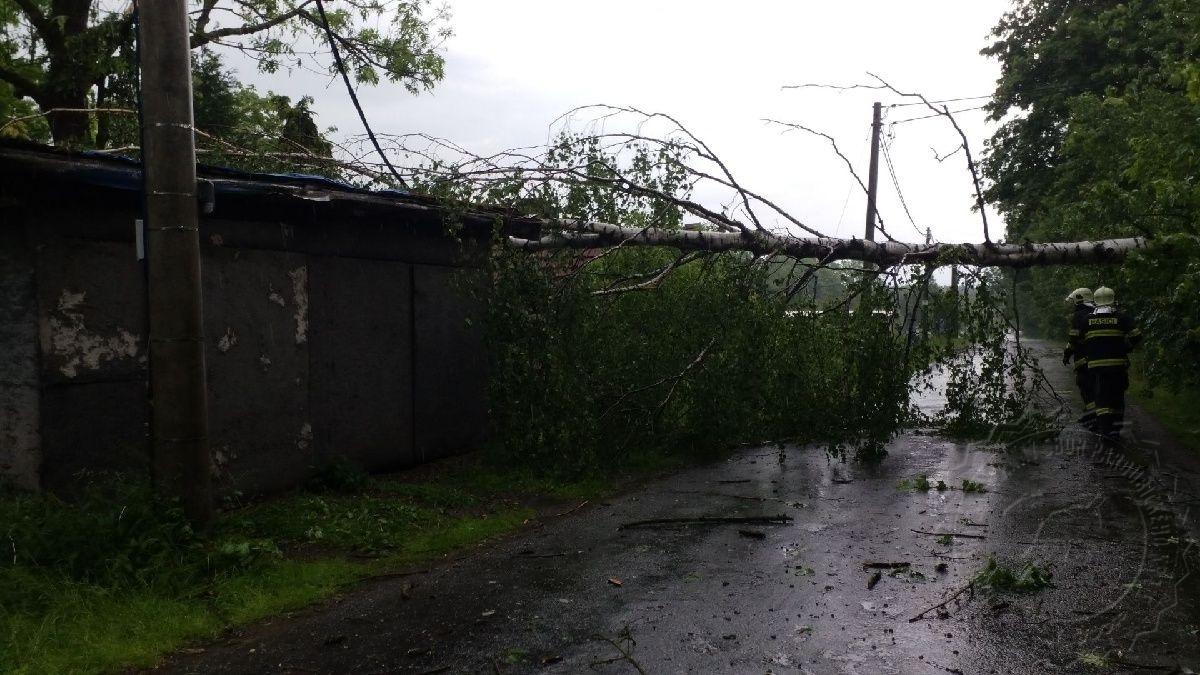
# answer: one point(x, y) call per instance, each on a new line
point(1105, 296)
point(1079, 295)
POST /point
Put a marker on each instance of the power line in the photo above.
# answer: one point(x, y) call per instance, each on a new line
point(945, 100)
point(337, 58)
point(940, 114)
point(887, 158)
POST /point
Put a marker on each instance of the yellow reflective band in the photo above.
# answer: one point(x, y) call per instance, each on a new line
point(1090, 406)
point(1073, 331)
point(1107, 332)
point(1103, 363)
point(1105, 411)
point(1135, 331)
point(1081, 363)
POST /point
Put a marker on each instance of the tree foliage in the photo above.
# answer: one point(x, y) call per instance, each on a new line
point(1104, 143)
point(599, 357)
point(70, 55)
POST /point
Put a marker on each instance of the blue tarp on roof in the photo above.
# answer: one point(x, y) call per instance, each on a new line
point(125, 173)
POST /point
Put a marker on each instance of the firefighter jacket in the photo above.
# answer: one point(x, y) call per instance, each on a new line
point(1107, 335)
point(1074, 348)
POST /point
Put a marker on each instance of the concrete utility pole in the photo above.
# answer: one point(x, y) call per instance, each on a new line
point(873, 175)
point(179, 417)
point(954, 298)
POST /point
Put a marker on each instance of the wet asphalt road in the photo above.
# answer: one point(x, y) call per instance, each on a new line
point(1113, 528)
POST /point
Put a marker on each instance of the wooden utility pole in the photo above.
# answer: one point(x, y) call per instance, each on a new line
point(179, 405)
point(873, 175)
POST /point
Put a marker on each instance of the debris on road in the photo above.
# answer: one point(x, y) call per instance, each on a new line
point(941, 605)
point(885, 565)
point(753, 534)
point(781, 519)
point(951, 534)
point(874, 580)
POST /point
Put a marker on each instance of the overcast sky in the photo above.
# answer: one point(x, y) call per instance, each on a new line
point(513, 66)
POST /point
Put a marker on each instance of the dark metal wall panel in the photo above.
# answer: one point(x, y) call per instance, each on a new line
point(451, 378)
point(98, 426)
point(360, 347)
point(256, 352)
point(20, 438)
point(93, 319)
point(92, 348)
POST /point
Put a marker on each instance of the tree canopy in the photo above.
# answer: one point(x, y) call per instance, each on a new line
point(1104, 143)
point(69, 57)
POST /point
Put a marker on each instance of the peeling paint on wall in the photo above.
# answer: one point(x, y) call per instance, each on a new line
point(299, 278)
point(228, 341)
point(79, 347)
point(274, 296)
point(304, 440)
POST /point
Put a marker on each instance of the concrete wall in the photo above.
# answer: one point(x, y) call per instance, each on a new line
point(327, 334)
point(20, 437)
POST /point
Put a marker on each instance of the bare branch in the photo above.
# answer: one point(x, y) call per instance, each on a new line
point(792, 126)
point(200, 39)
point(838, 87)
point(966, 146)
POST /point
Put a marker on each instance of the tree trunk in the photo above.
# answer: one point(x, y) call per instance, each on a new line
point(70, 124)
point(70, 74)
point(584, 235)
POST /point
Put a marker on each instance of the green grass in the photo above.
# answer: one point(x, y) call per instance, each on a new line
point(1175, 410)
point(148, 593)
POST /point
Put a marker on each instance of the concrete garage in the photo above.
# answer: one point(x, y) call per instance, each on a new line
point(337, 322)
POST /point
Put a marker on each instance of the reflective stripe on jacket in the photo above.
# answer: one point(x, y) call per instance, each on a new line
point(1107, 336)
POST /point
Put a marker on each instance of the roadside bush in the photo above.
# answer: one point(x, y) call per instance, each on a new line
point(117, 533)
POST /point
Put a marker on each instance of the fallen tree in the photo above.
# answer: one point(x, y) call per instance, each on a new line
point(574, 234)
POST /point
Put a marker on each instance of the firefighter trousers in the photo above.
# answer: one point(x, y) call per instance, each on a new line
point(1083, 380)
point(1108, 388)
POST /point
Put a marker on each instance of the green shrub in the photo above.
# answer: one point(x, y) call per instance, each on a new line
point(115, 534)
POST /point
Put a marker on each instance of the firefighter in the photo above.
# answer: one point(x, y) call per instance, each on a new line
point(1108, 336)
point(1080, 302)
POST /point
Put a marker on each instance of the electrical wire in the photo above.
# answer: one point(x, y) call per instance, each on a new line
point(887, 158)
point(945, 100)
point(337, 58)
point(940, 114)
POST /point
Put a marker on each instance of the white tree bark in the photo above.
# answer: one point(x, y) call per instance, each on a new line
point(585, 235)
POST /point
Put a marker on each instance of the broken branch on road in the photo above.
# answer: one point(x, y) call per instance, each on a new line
point(950, 534)
point(941, 605)
point(781, 519)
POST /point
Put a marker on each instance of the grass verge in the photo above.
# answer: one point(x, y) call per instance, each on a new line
point(1175, 410)
point(116, 580)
